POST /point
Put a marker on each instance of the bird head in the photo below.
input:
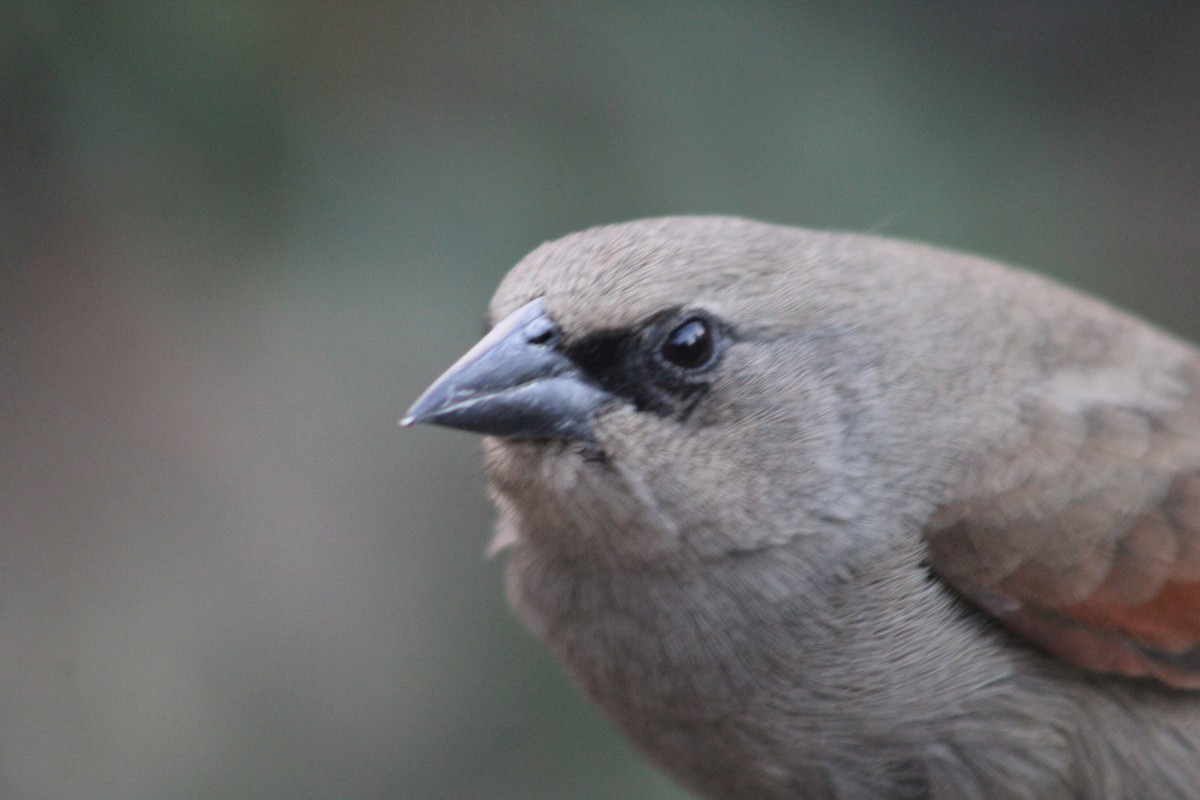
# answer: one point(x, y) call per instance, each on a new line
point(685, 387)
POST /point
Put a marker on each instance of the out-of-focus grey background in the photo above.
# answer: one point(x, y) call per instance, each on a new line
point(237, 239)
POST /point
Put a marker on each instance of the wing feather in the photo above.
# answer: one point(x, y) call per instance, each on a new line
point(1079, 527)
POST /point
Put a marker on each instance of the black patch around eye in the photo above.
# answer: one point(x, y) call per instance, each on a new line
point(662, 366)
point(607, 359)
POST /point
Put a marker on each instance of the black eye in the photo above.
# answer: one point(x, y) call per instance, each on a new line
point(689, 345)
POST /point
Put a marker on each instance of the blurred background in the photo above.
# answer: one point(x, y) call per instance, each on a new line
point(238, 239)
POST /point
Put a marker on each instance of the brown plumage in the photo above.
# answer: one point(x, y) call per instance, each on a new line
point(759, 483)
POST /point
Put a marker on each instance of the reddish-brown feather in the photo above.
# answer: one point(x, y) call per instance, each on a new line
point(1168, 621)
point(1092, 648)
point(1135, 620)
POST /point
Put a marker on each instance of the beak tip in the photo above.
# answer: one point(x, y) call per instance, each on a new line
point(414, 415)
point(426, 406)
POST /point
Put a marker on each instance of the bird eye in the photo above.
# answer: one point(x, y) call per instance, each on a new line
point(689, 345)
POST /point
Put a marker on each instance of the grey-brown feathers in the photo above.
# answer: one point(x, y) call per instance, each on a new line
point(838, 516)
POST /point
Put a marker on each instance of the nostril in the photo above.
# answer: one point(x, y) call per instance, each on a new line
point(541, 332)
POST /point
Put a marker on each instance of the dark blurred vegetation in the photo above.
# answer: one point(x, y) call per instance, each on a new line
point(236, 239)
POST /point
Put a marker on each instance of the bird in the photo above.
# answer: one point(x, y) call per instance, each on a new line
point(813, 514)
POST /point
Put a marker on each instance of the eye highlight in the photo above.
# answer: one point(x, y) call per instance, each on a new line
point(689, 345)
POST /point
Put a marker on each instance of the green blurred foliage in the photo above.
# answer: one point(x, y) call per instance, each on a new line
point(238, 238)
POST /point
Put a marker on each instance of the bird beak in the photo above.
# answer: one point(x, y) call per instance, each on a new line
point(514, 383)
